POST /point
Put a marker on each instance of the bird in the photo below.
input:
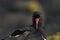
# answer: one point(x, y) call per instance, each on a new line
point(36, 20)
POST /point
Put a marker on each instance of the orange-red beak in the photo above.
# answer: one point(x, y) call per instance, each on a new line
point(37, 21)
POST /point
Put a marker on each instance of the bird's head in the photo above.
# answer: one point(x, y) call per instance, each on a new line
point(36, 19)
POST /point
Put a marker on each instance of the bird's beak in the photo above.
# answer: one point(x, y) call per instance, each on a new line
point(37, 21)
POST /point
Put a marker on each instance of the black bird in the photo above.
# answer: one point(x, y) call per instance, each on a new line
point(36, 19)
